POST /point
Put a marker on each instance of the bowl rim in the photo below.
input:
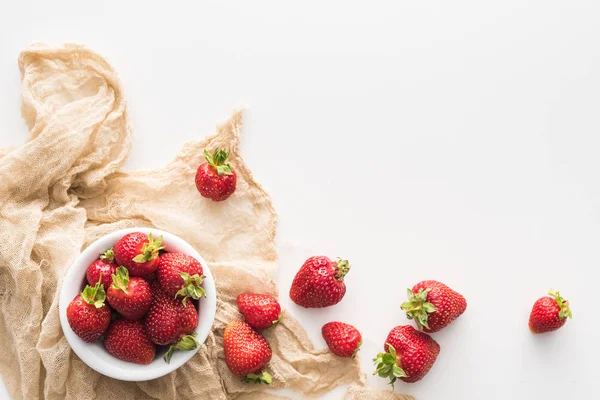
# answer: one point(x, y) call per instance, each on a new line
point(207, 304)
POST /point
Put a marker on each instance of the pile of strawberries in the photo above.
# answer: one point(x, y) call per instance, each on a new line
point(151, 296)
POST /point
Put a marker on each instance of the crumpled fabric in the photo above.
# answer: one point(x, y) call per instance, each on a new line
point(63, 189)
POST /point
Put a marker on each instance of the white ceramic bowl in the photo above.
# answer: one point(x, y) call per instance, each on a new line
point(94, 354)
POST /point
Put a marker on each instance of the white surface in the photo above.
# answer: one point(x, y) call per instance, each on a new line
point(94, 354)
point(453, 140)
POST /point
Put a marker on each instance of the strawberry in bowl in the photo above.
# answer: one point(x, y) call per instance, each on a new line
point(124, 348)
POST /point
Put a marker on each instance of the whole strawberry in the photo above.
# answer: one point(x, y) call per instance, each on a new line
point(409, 355)
point(105, 265)
point(433, 305)
point(128, 341)
point(171, 322)
point(216, 178)
point(549, 313)
point(343, 340)
point(319, 282)
point(180, 275)
point(131, 297)
point(261, 311)
point(87, 314)
point(247, 352)
point(139, 253)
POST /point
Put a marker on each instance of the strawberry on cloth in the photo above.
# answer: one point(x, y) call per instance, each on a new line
point(63, 189)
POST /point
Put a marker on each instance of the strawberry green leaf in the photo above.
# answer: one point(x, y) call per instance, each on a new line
point(263, 377)
point(217, 160)
point(418, 308)
point(343, 267)
point(387, 365)
point(108, 256)
point(94, 294)
point(187, 342)
point(191, 286)
point(150, 250)
point(121, 279)
point(565, 310)
point(224, 169)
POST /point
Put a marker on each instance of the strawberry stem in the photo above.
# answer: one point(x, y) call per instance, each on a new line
point(217, 161)
point(94, 294)
point(187, 342)
point(263, 377)
point(150, 249)
point(418, 308)
point(120, 279)
point(387, 365)
point(343, 267)
point(565, 310)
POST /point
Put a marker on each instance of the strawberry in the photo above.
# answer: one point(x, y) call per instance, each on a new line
point(87, 314)
point(433, 305)
point(180, 275)
point(171, 322)
point(343, 340)
point(319, 282)
point(216, 178)
point(549, 313)
point(261, 311)
point(247, 352)
point(138, 253)
point(409, 355)
point(105, 265)
point(131, 297)
point(128, 341)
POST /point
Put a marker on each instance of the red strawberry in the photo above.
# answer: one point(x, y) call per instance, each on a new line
point(261, 311)
point(409, 355)
point(549, 313)
point(171, 322)
point(128, 341)
point(131, 297)
point(105, 266)
point(433, 305)
point(247, 352)
point(216, 179)
point(180, 275)
point(87, 314)
point(319, 282)
point(343, 340)
point(138, 253)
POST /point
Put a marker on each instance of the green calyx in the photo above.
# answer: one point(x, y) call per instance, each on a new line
point(263, 377)
point(187, 342)
point(343, 267)
point(217, 161)
point(94, 294)
point(418, 308)
point(150, 249)
point(565, 310)
point(191, 287)
point(387, 365)
point(108, 256)
point(121, 279)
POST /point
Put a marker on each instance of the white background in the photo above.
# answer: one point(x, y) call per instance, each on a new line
point(448, 140)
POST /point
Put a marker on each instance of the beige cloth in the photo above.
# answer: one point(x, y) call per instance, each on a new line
point(62, 190)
